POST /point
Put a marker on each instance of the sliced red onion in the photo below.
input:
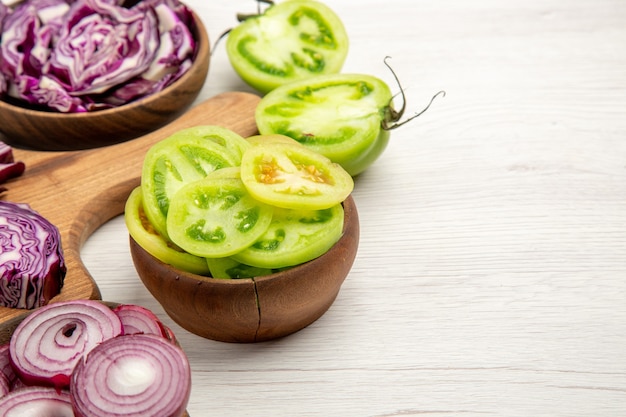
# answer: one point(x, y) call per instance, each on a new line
point(36, 402)
point(48, 344)
point(32, 266)
point(141, 375)
point(137, 319)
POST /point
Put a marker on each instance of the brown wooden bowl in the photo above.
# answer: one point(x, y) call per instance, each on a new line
point(54, 131)
point(252, 309)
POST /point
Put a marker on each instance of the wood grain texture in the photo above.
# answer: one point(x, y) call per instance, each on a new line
point(78, 191)
point(490, 278)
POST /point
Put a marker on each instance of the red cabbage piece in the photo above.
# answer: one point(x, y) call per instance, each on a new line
point(9, 168)
point(32, 266)
point(85, 55)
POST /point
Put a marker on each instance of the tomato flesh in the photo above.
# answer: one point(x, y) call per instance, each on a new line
point(152, 242)
point(216, 217)
point(337, 115)
point(184, 157)
point(292, 40)
point(294, 237)
point(293, 176)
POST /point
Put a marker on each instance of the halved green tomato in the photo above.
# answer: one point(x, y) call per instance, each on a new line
point(216, 217)
point(293, 176)
point(294, 237)
point(340, 116)
point(291, 40)
point(228, 268)
point(186, 156)
point(152, 242)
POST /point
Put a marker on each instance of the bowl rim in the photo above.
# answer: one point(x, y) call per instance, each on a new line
point(203, 50)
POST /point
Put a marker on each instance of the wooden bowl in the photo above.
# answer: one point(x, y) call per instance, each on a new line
point(53, 131)
point(252, 309)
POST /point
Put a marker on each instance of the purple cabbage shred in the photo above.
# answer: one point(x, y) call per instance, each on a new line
point(9, 168)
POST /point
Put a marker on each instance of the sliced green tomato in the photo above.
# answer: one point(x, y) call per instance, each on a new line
point(152, 242)
point(338, 115)
point(295, 237)
point(293, 176)
point(216, 217)
point(186, 156)
point(228, 268)
point(291, 40)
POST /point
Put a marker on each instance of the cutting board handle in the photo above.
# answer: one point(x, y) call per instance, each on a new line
point(79, 191)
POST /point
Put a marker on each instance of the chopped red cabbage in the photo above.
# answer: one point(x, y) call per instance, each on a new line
point(9, 168)
point(85, 55)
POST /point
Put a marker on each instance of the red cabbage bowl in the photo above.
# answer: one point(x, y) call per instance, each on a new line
point(24, 126)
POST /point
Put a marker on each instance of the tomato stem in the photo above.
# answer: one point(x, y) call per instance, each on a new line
point(219, 38)
point(392, 121)
point(243, 16)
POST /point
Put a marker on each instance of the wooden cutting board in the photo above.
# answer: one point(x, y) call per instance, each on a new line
point(78, 191)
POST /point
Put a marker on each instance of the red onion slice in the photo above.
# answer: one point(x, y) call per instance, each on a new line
point(36, 402)
point(137, 319)
point(46, 346)
point(140, 375)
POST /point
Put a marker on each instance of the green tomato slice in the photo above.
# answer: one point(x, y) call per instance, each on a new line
point(337, 115)
point(186, 156)
point(293, 176)
point(228, 268)
point(291, 40)
point(152, 242)
point(216, 217)
point(294, 237)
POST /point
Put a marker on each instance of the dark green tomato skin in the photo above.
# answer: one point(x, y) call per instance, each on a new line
point(291, 40)
point(339, 116)
point(228, 268)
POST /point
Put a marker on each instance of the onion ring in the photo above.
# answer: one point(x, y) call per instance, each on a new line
point(139, 375)
point(47, 344)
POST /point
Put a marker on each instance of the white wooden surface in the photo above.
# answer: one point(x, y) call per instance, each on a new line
point(491, 274)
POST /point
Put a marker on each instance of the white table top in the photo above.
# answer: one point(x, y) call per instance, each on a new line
point(491, 273)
